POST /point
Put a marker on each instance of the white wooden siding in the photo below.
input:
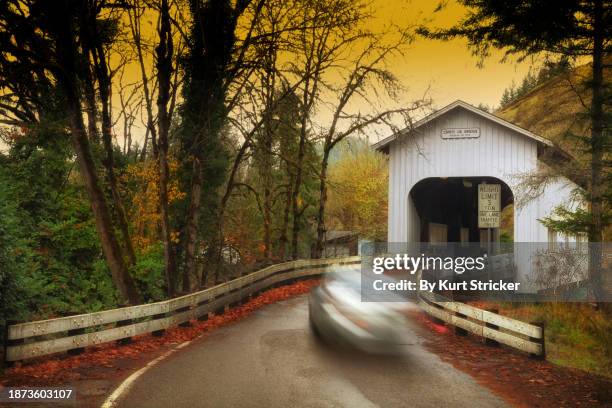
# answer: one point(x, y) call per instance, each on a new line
point(499, 152)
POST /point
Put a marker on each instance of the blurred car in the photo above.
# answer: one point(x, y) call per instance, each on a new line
point(338, 315)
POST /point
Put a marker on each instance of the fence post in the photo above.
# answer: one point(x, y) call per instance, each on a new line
point(237, 302)
point(125, 340)
point(8, 343)
point(490, 342)
point(203, 317)
point(541, 341)
point(4, 337)
point(436, 320)
point(186, 323)
point(160, 332)
point(77, 350)
point(221, 309)
point(458, 330)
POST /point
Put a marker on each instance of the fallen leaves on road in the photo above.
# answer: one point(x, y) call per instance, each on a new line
point(95, 361)
point(520, 380)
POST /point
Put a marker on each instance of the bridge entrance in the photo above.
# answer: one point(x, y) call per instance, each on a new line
point(447, 210)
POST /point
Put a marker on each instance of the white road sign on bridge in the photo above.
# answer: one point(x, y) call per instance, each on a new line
point(489, 205)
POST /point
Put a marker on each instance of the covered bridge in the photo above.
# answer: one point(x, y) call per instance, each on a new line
point(437, 165)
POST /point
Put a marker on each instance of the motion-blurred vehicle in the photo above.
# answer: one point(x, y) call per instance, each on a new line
point(338, 315)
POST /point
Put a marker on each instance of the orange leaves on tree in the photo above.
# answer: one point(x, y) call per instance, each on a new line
point(144, 208)
point(358, 194)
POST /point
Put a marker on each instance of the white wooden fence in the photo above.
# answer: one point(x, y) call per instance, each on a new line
point(40, 338)
point(501, 329)
point(44, 337)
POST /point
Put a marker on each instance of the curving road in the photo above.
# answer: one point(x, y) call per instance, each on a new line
point(272, 360)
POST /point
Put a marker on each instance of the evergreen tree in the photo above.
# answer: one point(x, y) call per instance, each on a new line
point(550, 69)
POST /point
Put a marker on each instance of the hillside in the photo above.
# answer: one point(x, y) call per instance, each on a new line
point(556, 107)
point(555, 110)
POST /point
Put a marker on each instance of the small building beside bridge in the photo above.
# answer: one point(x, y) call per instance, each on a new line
point(341, 243)
point(455, 173)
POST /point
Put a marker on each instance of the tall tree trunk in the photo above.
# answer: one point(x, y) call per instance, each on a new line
point(151, 132)
point(283, 240)
point(67, 57)
point(266, 163)
point(215, 255)
point(265, 174)
point(164, 73)
point(143, 152)
point(597, 146)
point(267, 207)
point(110, 246)
point(109, 161)
point(191, 239)
point(91, 109)
point(296, 192)
point(319, 245)
point(209, 69)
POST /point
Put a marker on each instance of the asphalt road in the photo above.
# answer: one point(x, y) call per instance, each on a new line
point(272, 360)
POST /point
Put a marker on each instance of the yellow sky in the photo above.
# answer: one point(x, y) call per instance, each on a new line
point(448, 68)
point(442, 71)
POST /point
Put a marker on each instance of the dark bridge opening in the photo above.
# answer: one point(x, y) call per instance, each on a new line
point(448, 210)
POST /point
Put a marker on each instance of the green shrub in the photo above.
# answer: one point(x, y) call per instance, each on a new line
point(149, 274)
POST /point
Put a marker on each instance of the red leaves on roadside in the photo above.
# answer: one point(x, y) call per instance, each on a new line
point(437, 327)
point(95, 361)
point(520, 380)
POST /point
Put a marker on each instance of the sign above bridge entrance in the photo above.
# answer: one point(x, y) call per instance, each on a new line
point(460, 133)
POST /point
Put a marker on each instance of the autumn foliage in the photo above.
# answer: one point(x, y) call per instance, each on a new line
point(358, 192)
point(141, 181)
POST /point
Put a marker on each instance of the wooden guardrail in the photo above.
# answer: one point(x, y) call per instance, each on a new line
point(492, 326)
point(40, 338)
